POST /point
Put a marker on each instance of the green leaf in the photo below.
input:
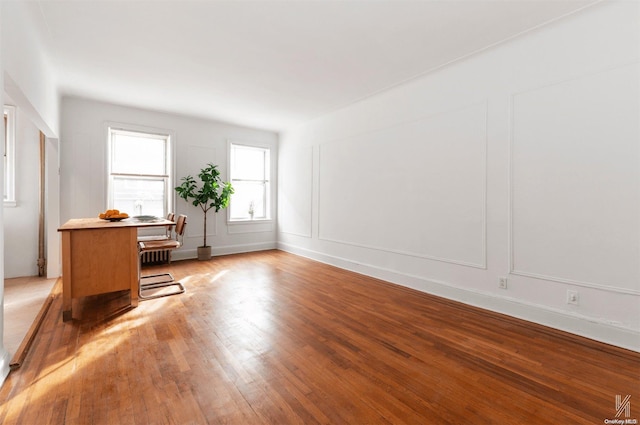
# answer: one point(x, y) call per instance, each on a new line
point(209, 192)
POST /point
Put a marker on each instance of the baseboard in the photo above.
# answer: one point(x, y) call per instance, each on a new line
point(189, 254)
point(572, 323)
point(23, 349)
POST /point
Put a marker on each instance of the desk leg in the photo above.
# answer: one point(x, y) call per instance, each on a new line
point(134, 267)
point(66, 276)
point(66, 315)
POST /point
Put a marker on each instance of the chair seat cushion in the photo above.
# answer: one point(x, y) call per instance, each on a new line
point(159, 245)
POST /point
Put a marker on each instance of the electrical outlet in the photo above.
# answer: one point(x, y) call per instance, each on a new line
point(502, 283)
point(573, 297)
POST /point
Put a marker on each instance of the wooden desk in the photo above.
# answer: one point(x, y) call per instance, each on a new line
point(100, 256)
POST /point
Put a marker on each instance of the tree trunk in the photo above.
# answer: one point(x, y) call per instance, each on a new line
point(205, 227)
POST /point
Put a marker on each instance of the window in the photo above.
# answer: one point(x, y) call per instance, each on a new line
point(9, 155)
point(139, 172)
point(250, 171)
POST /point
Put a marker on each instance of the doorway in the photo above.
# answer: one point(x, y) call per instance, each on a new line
point(26, 287)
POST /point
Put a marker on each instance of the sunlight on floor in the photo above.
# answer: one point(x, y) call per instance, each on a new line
point(23, 299)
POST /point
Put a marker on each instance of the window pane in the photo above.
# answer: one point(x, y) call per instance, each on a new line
point(248, 163)
point(146, 157)
point(138, 196)
point(250, 178)
point(138, 155)
point(245, 194)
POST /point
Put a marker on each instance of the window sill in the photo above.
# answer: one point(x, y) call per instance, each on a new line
point(10, 204)
point(250, 226)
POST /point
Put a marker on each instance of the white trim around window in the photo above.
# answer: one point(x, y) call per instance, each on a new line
point(252, 184)
point(152, 177)
point(9, 152)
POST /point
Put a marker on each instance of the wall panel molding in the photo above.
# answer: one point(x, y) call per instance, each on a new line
point(361, 203)
point(579, 201)
point(607, 288)
point(302, 160)
point(256, 226)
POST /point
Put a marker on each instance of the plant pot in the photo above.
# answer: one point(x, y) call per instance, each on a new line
point(204, 253)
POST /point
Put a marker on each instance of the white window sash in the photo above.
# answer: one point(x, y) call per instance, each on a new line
point(9, 191)
point(265, 181)
point(117, 130)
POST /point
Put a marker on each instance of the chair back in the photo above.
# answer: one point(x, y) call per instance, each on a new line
point(171, 216)
point(180, 225)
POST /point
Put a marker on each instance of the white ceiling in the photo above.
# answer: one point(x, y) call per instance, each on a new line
point(268, 64)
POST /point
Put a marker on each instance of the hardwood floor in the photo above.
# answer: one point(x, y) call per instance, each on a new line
point(272, 338)
point(24, 297)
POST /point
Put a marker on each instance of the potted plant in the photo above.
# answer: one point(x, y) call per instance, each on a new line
point(212, 193)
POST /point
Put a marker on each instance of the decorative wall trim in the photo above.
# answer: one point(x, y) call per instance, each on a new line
point(483, 264)
point(195, 222)
point(574, 78)
point(200, 234)
point(407, 253)
point(577, 283)
point(302, 235)
point(511, 250)
point(309, 234)
point(255, 226)
point(587, 327)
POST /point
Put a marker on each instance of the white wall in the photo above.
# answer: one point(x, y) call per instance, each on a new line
point(26, 76)
point(83, 148)
point(52, 208)
point(21, 221)
point(519, 162)
point(30, 83)
point(5, 358)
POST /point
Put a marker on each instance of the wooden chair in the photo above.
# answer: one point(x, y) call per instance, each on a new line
point(146, 283)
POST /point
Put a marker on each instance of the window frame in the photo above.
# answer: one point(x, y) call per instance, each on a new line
point(168, 177)
point(268, 181)
point(9, 153)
